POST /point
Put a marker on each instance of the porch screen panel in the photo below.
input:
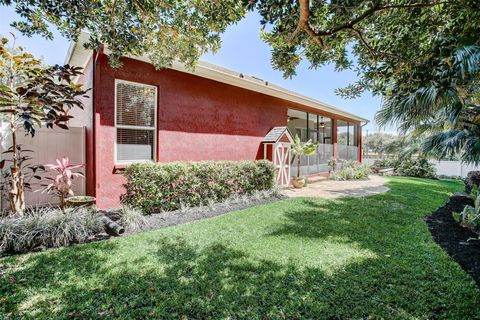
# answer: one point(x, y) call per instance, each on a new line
point(136, 106)
point(313, 127)
point(325, 130)
point(325, 147)
point(353, 141)
point(347, 140)
point(319, 129)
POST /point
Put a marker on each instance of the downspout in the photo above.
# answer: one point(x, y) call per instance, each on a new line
point(94, 123)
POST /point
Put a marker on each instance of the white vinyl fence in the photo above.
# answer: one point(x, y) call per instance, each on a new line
point(47, 146)
point(453, 168)
point(445, 168)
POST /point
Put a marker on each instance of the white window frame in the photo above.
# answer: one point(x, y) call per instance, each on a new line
point(154, 128)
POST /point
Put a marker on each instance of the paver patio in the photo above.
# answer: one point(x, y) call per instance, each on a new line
point(325, 188)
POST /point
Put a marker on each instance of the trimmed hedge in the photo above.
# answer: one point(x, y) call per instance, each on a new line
point(156, 187)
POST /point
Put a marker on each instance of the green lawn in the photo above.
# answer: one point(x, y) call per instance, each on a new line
point(296, 258)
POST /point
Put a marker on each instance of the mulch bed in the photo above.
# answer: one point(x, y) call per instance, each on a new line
point(457, 241)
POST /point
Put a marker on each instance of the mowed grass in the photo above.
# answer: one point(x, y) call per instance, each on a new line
point(298, 258)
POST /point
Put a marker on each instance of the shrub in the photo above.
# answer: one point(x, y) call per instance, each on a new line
point(132, 219)
point(384, 164)
point(472, 179)
point(444, 176)
point(48, 227)
point(156, 187)
point(351, 170)
point(420, 168)
point(470, 216)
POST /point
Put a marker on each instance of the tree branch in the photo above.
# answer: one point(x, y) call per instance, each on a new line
point(141, 7)
point(373, 52)
point(304, 25)
point(363, 41)
point(304, 16)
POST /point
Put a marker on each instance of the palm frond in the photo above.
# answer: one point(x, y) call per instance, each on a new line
point(467, 60)
point(464, 144)
point(446, 111)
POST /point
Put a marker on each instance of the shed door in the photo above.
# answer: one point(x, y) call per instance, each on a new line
point(282, 163)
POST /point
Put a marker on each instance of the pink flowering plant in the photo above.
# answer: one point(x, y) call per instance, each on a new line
point(61, 183)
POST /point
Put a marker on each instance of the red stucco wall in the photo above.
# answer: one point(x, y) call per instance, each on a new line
point(198, 119)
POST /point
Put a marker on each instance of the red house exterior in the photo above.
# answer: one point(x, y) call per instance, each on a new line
point(138, 113)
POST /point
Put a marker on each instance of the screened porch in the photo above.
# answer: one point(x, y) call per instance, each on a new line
point(320, 129)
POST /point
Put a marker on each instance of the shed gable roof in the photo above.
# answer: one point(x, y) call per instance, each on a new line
point(276, 133)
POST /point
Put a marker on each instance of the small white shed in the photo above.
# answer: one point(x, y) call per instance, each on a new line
point(277, 146)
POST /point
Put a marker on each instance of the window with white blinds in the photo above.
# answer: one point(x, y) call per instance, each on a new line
point(135, 119)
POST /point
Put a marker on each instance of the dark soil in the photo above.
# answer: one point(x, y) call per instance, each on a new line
point(459, 242)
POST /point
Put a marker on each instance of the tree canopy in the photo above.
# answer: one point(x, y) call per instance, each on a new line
point(396, 44)
point(445, 112)
point(400, 38)
point(165, 30)
point(399, 48)
point(382, 144)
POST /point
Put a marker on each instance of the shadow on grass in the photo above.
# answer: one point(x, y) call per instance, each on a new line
point(183, 280)
point(176, 279)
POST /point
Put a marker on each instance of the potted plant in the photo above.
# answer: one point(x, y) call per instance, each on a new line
point(306, 149)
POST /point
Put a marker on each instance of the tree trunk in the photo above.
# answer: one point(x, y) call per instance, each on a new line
point(16, 195)
point(298, 166)
point(16, 192)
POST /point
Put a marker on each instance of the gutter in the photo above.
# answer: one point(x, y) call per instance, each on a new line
point(366, 122)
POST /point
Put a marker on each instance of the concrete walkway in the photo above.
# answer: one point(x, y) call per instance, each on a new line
point(325, 188)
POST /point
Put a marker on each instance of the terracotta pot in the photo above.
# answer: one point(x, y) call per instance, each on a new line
point(298, 182)
point(80, 201)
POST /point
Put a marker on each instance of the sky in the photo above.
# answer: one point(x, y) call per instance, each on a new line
point(243, 51)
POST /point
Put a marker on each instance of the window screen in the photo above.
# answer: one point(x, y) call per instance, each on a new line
point(342, 132)
point(312, 127)
point(135, 121)
point(325, 130)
